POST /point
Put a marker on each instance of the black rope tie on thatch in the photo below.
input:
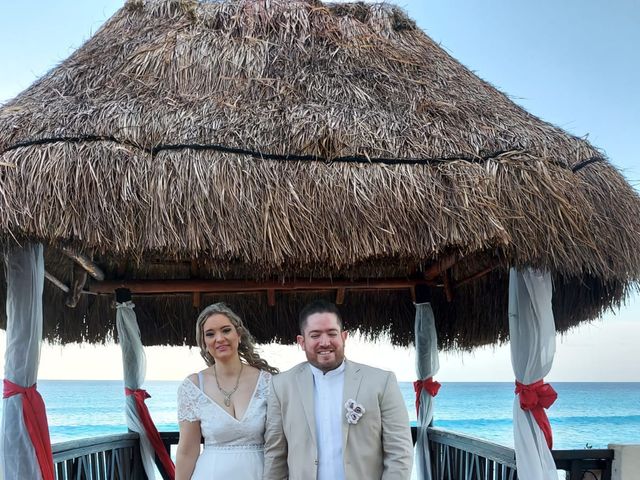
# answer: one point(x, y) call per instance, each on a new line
point(84, 138)
point(287, 157)
point(586, 162)
point(316, 158)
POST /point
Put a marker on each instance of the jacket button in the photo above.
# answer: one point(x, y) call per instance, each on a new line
point(315, 461)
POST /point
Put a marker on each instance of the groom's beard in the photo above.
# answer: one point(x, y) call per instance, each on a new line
point(325, 358)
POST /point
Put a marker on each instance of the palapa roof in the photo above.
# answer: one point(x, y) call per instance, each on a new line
point(286, 141)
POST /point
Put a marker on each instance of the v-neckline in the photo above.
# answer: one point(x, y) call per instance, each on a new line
point(255, 390)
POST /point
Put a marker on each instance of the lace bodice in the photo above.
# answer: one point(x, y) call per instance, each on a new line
point(218, 427)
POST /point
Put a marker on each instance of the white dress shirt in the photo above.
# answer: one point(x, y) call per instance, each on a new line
point(327, 389)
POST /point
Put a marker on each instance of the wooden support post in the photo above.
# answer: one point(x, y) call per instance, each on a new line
point(197, 300)
point(340, 296)
point(77, 286)
point(448, 290)
point(271, 297)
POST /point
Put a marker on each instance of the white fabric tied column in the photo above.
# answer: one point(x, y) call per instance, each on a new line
point(25, 281)
point(427, 365)
point(134, 365)
point(532, 332)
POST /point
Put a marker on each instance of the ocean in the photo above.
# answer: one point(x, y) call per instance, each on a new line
point(585, 414)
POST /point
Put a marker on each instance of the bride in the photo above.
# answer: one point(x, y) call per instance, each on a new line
point(225, 403)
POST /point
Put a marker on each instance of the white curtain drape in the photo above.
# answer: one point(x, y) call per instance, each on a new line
point(427, 365)
point(25, 280)
point(134, 365)
point(532, 332)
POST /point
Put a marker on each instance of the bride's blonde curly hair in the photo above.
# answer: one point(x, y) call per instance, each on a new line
point(246, 348)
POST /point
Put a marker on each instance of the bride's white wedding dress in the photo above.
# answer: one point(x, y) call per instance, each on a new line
point(233, 448)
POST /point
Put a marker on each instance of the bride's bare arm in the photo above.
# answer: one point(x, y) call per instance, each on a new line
point(188, 449)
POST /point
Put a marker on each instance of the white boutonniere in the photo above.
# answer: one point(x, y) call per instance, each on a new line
point(354, 411)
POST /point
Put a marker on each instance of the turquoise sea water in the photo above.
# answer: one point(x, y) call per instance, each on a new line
point(585, 414)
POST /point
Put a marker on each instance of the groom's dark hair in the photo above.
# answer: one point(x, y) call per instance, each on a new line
point(317, 306)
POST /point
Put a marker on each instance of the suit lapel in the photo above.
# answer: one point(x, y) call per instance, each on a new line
point(304, 382)
point(352, 379)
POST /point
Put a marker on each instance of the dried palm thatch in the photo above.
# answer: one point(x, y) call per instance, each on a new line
point(292, 140)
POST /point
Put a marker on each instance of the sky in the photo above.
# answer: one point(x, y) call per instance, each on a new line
point(574, 63)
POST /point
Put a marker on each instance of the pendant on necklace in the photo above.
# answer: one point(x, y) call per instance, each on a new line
point(227, 401)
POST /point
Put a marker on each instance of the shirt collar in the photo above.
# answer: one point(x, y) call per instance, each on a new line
point(317, 373)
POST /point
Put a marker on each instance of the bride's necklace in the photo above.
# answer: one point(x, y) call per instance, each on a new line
point(227, 395)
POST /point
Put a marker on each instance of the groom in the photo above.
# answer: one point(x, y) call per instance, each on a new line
point(333, 419)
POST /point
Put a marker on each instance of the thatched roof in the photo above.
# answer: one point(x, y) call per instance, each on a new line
point(292, 140)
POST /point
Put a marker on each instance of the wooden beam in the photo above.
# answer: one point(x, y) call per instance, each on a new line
point(58, 283)
point(85, 262)
point(238, 286)
point(439, 266)
point(477, 275)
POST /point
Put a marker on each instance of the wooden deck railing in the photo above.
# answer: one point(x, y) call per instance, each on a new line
point(111, 457)
point(461, 457)
point(454, 456)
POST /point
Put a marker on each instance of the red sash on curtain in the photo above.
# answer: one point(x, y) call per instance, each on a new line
point(535, 397)
point(35, 420)
point(151, 430)
point(429, 385)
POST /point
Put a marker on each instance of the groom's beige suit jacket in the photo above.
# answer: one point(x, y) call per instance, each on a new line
point(379, 446)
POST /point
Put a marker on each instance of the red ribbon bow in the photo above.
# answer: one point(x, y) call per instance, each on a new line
point(428, 385)
point(35, 420)
point(535, 398)
point(152, 432)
